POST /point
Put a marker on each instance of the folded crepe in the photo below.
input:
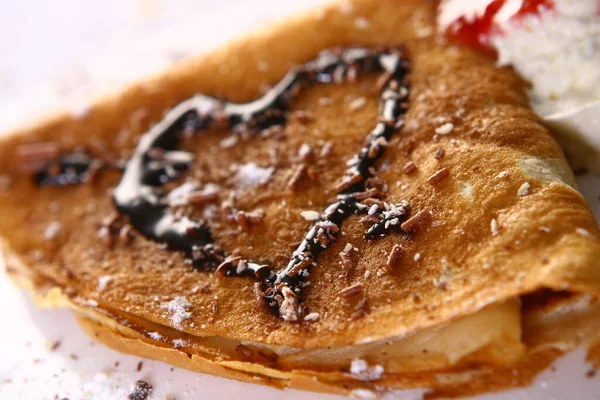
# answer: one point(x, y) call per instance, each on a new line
point(389, 214)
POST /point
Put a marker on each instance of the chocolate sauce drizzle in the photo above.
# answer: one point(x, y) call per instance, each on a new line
point(69, 169)
point(390, 219)
point(156, 161)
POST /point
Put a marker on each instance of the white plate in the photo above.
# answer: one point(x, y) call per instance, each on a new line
point(86, 47)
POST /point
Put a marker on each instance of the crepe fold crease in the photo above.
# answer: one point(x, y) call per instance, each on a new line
point(498, 279)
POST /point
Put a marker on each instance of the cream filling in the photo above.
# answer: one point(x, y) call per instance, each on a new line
point(497, 336)
point(497, 326)
point(491, 335)
point(574, 321)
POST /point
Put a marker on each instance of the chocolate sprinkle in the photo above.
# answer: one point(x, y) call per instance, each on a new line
point(394, 257)
point(351, 291)
point(438, 176)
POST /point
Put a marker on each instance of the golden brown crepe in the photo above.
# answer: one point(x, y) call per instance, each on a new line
point(496, 281)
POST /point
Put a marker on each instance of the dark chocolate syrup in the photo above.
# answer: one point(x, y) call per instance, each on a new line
point(69, 169)
point(390, 219)
point(137, 196)
point(157, 161)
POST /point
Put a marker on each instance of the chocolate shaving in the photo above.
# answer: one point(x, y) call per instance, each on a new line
point(275, 131)
point(103, 233)
point(367, 194)
point(348, 182)
point(351, 291)
point(326, 149)
point(413, 222)
point(110, 220)
point(221, 270)
point(35, 156)
point(242, 221)
point(369, 220)
point(410, 167)
point(307, 262)
point(346, 261)
point(438, 176)
point(126, 234)
point(359, 309)
point(591, 373)
point(374, 183)
point(393, 258)
point(255, 217)
point(259, 295)
point(204, 289)
point(99, 150)
point(298, 174)
point(352, 73)
point(312, 173)
point(303, 117)
point(371, 201)
point(383, 81)
point(376, 147)
point(200, 198)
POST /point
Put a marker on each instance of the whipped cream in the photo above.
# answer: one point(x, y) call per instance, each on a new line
point(557, 50)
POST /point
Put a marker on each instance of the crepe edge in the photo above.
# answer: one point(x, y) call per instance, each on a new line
point(445, 384)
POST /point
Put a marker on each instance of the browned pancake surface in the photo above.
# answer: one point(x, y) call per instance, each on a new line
point(546, 238)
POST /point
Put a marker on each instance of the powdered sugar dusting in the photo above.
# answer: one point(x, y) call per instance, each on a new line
point(361, 370)
point(155, 335)
point(103, 282)
point(289, 306)
point(52, 230)
point(178, 196)
point(178, 308)
point(251, 174)
point(364, 394)
point(179, 343)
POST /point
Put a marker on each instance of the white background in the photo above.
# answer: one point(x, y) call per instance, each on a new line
point(63, 53)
